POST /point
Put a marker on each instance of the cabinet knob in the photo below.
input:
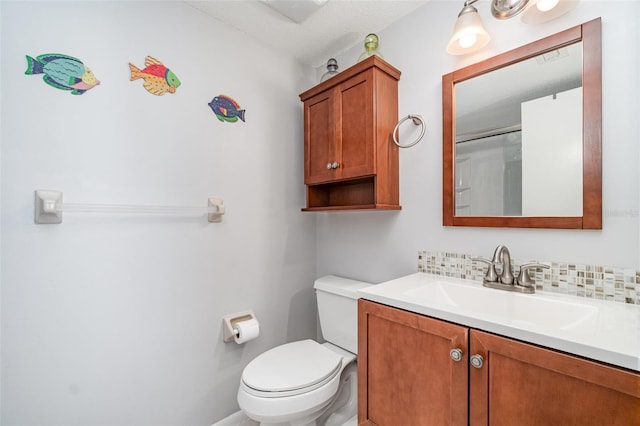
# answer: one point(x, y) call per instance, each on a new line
point(456, 354)
point(333, 165)
point(476, 361)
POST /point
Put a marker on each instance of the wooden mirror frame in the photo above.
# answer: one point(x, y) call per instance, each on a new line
point(590, 35)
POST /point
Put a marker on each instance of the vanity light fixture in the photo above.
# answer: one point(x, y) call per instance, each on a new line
point(469, 34)
point(540, 11)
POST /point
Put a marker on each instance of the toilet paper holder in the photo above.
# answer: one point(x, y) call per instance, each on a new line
point(229, 321)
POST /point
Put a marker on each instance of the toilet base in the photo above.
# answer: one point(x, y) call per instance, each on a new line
point(344, 407)
point(240, 419)
point(236, 419)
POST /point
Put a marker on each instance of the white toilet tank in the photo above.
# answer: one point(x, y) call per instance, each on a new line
point(338, 310)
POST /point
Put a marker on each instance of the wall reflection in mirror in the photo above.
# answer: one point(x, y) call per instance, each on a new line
point(518, 130)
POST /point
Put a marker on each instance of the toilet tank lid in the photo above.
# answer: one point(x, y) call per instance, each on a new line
point(340, 285)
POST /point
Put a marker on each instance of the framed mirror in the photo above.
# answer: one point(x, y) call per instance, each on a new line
point(522, 136)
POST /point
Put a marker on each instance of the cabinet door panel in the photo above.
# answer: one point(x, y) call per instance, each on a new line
point(406, 375)
point(355, 140)
point(319, 139)
point(527, 385)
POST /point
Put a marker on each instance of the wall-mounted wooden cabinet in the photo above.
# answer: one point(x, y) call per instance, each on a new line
point(350, 159)
point(408, 375)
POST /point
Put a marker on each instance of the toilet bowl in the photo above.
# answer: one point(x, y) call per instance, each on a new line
point(293, 381)
point(306, 383)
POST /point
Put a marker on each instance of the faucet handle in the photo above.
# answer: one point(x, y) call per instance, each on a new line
point(524, 279)
point(491, 276)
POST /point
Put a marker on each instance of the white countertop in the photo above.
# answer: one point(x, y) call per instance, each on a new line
point(601, 330)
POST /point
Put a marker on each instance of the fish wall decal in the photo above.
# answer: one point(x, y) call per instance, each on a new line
point(226, 109)
point(158, 79)
point(63, 72)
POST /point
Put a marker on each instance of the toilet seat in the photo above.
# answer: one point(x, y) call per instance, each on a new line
point(291, 369)
point(304, 401)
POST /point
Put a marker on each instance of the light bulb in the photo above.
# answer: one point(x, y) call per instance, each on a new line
point(467, 40)
point(546, 5)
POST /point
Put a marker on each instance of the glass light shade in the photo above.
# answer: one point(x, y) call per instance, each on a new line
point(469, 34)
point(535, 13)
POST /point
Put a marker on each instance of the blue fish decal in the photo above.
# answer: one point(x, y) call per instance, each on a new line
point(226, 109)
point(62, 72)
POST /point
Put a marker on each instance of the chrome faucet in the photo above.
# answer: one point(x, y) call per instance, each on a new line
point(505, 280)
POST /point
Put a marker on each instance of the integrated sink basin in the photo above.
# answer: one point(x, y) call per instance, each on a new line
point(513, 308)
point(602, 330)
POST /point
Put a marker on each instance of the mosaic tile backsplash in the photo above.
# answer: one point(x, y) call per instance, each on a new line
point(597, 282)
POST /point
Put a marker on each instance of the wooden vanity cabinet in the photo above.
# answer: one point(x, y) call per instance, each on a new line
point(406, 376)
point(350, 160)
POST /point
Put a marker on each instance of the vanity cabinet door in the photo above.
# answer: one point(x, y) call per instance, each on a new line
point(406, 375)
point(538, 386)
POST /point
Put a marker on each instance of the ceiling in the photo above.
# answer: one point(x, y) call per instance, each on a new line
point(336, 25)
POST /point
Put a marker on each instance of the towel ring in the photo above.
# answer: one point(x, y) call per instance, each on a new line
point(417, 119)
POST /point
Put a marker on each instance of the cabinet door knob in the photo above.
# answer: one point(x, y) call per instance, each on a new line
point(476, 361)
point(329, 166)
point(335, 165)
point(456, 354)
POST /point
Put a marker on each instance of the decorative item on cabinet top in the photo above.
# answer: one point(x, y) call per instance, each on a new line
point(350, 159)
point(332, 69)
point(370, 47)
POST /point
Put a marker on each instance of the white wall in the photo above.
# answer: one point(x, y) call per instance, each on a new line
point(377, 246)
point(116, 320)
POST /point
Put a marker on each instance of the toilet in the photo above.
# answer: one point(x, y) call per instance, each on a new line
point(306, 383)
